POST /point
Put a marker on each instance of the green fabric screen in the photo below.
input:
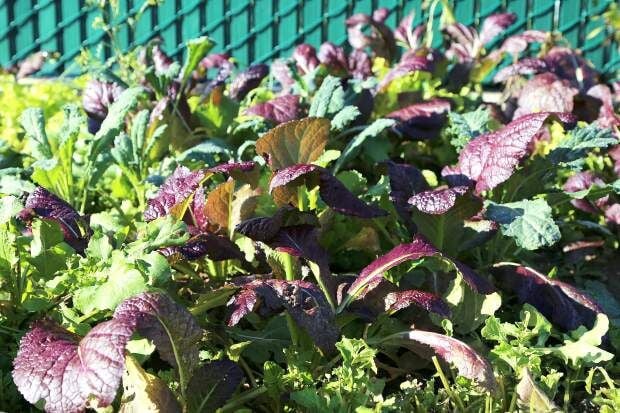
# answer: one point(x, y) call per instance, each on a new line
point(259, 30)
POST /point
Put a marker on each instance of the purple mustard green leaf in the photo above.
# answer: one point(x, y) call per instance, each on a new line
point(173, 195)
point(421, 120)
point(278, 110)
point(494, 25)
point(247, 80)
point(430, 302)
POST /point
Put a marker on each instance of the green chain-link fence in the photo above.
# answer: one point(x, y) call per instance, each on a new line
point(258, 30)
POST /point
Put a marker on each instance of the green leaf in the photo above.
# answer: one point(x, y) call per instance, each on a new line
point(329, 99)
point(579, 143)
point(532, 398)
point(196, 50)
point(528, 222)
point(48, 250)
point(583, 348)
point(353, 146)
point(9, 207)
point(344, 117)
point(123, 281)
point(114, 122)
point(33, 122)
point(464, 127)
point(469, 308)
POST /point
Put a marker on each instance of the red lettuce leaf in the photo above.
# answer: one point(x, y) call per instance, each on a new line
point(421, 120)
point(518, 43)
point(301, 299)
point(565, 305)
point(174, 193)
point(305, 58)
point(405, 182)
point(214, 247)
point(54, 365)
point(68, 373)
point(46, 205)
point(360, 65)
point(465, 45)
point(407, 35)
point(333, 192)
point(582, 181)
point(545, 93)
point(380, 38)
point(247, 80)
point(467, 361)
point(525, 66)
point(437, 201)
point(172, 328)
point(432, 303)
point(408, 65)
point(372, 274)
point(491, 158)
point(495, 25)
point(96, 99)
point(279, 110)
point(334, 58)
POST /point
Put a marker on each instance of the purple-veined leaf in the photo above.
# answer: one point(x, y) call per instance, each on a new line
point(525, 66)
point(430, 302)
point(568, 64)
point(247, 80)
point(407, 35)
point(305, 58)
point(491, 158)
point(266, 228)
point(301, 299)
point(172, 328)
point(405, 182)
point(97, 97)
point(46, 205)
point(214, 247)
point(279, 110)
point(607, 117)
point(332, 191)
point(437, 201)
point(518, 43)
point(173, 195)
point(360, 65)
point(411, 64)
point(467, 361)
point(54, 365)
point(380, 39)
point(161, 61)
point(372, 274)
point(465, 45)
point(612, 214)
point(565, 305)
point(421, 120)
point(583, 181)
point(69, 373)
point(545, 93)
point(333, 57)
point(494, 25)
point(212, 385)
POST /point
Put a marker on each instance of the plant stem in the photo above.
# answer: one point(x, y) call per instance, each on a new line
point(238, 401)
point(289, 273)
point(455, 398)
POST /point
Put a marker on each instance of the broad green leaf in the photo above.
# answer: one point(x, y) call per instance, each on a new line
point(528, 222)
point(34, 124)
point(353, 146)
point(469, 308)
point(579, 143)
point(123, 281)
point(531, 397)
point(329, 99)
point(344, 117)
point(49, 252)
point(296, 142)
point(9, 207)
point(464, 127)
point(114, 122)
point(196, 50)
point(583, 348)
